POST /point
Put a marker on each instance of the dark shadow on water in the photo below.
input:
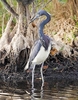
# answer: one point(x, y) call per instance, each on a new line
point(52, 90)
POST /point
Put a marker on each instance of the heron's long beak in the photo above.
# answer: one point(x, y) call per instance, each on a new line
point(35, 17)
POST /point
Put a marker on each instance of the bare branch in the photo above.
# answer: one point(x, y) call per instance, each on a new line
point(9, 8)
point(7, 29)
point(3, 23)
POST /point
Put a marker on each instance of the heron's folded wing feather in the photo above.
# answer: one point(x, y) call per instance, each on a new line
point(35, 49)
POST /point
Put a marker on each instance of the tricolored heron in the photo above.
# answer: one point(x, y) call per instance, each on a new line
point(41, 49)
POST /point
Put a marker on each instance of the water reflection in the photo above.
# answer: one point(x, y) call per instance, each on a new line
point(37, 93)
point(52, 90)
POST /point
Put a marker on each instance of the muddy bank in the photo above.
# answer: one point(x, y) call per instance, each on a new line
point(56, 67)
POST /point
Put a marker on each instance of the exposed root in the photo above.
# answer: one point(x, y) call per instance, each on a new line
point(5, 35)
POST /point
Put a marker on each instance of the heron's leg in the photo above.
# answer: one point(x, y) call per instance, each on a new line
point(42, 80)
point(42, 90)
point(33, 70)
point(42, 74)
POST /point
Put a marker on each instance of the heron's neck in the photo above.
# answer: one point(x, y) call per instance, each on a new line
point(42, 24)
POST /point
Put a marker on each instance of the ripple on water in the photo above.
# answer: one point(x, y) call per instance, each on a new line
point(48, 92)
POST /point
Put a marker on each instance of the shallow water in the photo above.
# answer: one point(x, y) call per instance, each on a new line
point(52, 90)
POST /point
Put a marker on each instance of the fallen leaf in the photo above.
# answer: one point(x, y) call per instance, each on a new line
point(53, 51)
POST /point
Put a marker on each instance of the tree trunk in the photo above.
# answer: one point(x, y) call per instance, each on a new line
point(15, 45)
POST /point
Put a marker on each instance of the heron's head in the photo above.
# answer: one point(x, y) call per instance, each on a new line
point(38, 14)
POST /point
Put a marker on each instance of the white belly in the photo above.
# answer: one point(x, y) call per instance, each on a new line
point(42, 55)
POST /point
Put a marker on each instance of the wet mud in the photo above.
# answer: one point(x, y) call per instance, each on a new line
point(56, 67)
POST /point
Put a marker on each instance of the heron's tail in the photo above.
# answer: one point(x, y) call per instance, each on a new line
point(27, 66)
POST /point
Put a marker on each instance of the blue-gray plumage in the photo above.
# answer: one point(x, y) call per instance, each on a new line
point(34, 51)
point(41, 49)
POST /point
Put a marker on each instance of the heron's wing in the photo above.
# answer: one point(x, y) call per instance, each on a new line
point(35, 49)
